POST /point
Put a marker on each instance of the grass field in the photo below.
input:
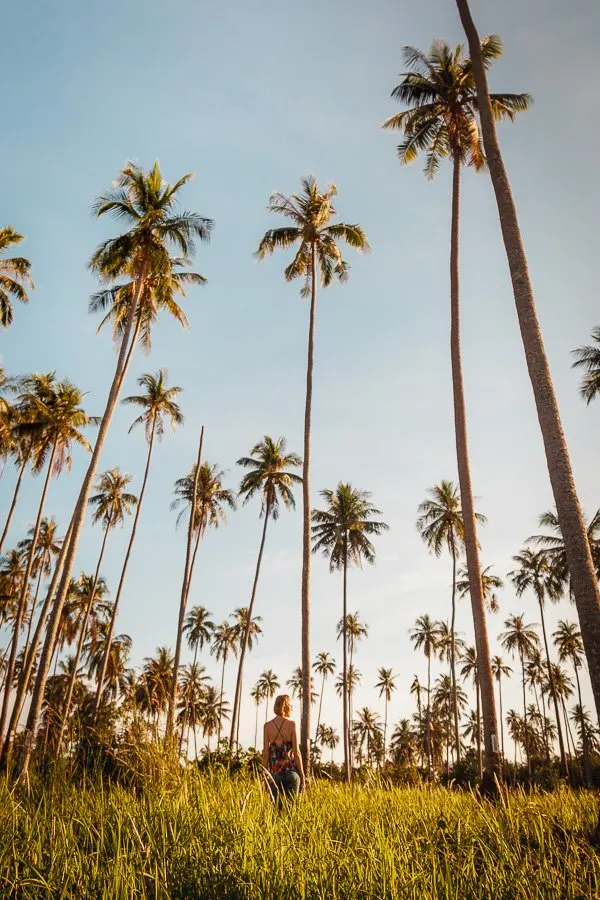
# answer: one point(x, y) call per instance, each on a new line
point(212, 837)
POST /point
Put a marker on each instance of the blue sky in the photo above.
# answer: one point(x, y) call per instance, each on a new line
point(250, 99)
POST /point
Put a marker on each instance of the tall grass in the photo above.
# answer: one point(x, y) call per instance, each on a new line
point(217, 838)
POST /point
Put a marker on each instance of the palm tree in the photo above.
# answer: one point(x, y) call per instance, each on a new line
point(470, 669)
point(520, 639)
point(248, 629)
point(225, 641)
point(588, 359)
point(296, 685)
point(553, 546)
point(535, 672)
point(269, 684)
point(402, 743)
point(257, 695)
point(324, 665)
point(516, 730)
point(499, 668)
point(368, 727)
point(158, 402)
point(14, 275)
point(535, 574)
point(342, 532)
point(54, 421)
point(213, 709)
point(141, 254)
point(489, 584)
point(270, 478)
point(331, 739)
point(386, 685)
point(152, 694)
point(48, 548)
point(444, 696)
point(198, 629)
point(416, 689)
point(581, 566)
point(202, 490)
point(14, 441)
point(192, 685)
point(569, 643)
point(318, 258)
point(425, 636)
point(116, 669)
point(355, 631)
point(442, 121)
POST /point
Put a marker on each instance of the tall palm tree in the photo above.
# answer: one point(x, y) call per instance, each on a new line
point(202, 490)
point(116, 672)
point(225, 642)
point(416, 688)
point(490, 583)
point(14, 441)
point(402, 743)
point(112, 504)
point(54, 421)
point(14, 275)
point(470, 669)
point(588, 359)
point(213, 709)
point(534, 573)
point(258, 696)
point(269, 684)
point(386, 685)
point(355, 631)
point(342, 532)
point(443, 708)
point(158, 402)
point(198, 629)
point(499, 669)
point(425, 636)
point(442, 122)
point(270, 478)
point(47, 549)
point(154, 685)
point(193, 682)
point(535, 675)
point(569, 643)
point(581, 566)
point(318, 258)
point(520, 639)
point(141, 255)
point(563, 688)
point(368, 727)
point(324, 665)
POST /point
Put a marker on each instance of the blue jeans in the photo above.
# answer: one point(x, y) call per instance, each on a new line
point(285, 785)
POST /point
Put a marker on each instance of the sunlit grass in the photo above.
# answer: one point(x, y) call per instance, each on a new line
point(214, 837)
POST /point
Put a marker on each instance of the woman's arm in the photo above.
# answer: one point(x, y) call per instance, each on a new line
point(297, 756)
point(265, 750)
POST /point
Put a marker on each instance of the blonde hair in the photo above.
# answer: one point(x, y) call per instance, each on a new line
point(283, 705)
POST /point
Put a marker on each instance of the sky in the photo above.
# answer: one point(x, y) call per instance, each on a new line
point(251, 97)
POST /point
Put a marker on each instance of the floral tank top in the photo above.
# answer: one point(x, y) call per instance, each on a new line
point(281, 756)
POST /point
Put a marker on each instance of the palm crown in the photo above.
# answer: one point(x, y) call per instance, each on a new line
point(157, 403)
point(442, 120)
point(211, 496)
point(268, 475)
point(14, 275)
point(342, 531)
point(112, 502)
point(588, 359)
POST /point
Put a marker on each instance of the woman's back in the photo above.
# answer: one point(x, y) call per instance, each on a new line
point(280, 736)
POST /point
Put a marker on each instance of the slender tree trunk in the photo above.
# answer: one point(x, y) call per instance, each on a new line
point(490, 728)
point(429, 754)
point(501, 715)
point(33, 608)
point(80, 640)
point(587, 774)
point(479, 760)
point(385, 727)
point(306, 513)
point(184, 593)
point(256, 728)
point(345, 669)
point(221, 699)
point(22, 604)
point(237, 703)
point(79, 513)
point(420, 724)
point(525, 732)
point(320, 706)
point(113, 618)
point(14, 501)
point(453, 649)
point(563, 758)
point(570, 517)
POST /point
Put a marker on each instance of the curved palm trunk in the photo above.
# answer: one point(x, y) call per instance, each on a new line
point(570, 517)
point(453, 650)
point(125, 353)
point(22, 604)
point(563, 758)
point(237, 703)
point(187, 575)
point(14, 502)
point(80, 640)
point(305, 724)
point(486, 684)
point(345, 670)
point(113, 618)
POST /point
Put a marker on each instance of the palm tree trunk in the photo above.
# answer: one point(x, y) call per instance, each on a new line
point(490, 728)
point(525, 732)
point(453, 649)
point(385, 728)
point(33, 608)
point(184, 593)
point(587, 774)
point(14, 501)
point(345, 669)
point(561, 746)
point(570, 517)
point(320, 706)
point(22, 603)
point(501, 715)
point(221, 699)
point(256, 727)
point(79, 517)
point(428, 738)
point(306, 512)
point(479, 760)
point(237, 703)
point(80, 640)
point(113, 618)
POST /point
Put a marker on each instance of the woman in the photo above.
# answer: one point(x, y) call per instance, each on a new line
point(281, 756)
